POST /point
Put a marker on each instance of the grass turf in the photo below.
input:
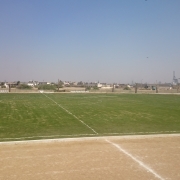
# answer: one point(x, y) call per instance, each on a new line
point(35, 115)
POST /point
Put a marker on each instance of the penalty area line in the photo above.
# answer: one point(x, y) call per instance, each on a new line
point(135, 159)
point(70, 113)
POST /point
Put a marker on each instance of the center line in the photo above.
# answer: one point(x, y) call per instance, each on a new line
point(71, 114)
point(136, 160)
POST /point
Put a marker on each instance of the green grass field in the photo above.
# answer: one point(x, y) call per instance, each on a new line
point(37, 116)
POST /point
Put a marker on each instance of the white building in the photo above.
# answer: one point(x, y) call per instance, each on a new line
point(6, 85)
point(32, 83)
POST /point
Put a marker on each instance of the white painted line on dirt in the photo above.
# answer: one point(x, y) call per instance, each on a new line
point(75, 135)
point(136, 133)
point(135, 159)
point(71, 114)
point(89, 139)
point(31, 137)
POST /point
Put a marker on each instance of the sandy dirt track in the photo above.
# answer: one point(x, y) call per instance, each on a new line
point(93, 158)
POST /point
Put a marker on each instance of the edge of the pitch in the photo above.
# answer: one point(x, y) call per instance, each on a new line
point(88, 139)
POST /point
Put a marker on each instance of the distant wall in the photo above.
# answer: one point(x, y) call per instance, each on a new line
point(14, 90)
point(4, 90)
point(116, 90)
point(69, 89)
point(132, 90)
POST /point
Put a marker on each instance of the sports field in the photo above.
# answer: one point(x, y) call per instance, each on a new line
point(42, 116)
point(59, 127)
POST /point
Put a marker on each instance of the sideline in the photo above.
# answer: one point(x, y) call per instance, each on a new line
point(77, 139)
point(31, 138)
point(51, 136)
point(71, 113)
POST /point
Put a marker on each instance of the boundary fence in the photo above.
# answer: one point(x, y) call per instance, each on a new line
point(4, 91)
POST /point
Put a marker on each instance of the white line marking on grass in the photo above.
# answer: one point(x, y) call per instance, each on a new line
point(72, 114)
point(135, 159)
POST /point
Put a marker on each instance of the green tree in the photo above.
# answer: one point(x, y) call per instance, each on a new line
point(95, 88)
point(24, 86)
point(127, 88)
point(88, 88)
point(47, 87)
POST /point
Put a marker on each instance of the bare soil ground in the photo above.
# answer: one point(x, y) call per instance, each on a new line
point(129, 157)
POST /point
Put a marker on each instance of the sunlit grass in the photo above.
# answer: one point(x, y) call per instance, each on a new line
point(34, 115)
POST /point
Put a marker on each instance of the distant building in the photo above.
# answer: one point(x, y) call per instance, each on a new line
point(66, 83)
point(175, 80)
point(43, 83)
point(6, 85)
point(32, 83)
point(99, 85)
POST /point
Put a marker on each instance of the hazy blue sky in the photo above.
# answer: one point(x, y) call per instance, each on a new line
point(107, 40)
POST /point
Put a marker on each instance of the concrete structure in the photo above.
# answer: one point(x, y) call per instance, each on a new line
point(175, 80)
